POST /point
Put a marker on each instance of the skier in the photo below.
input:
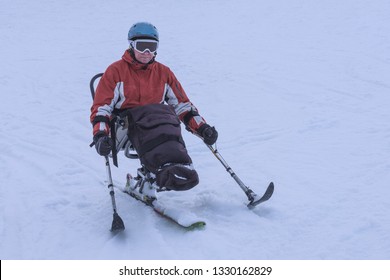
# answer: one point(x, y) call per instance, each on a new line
point(138, 80)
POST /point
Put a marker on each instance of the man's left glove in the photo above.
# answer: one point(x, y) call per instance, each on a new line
point(208, 133)
point(103, 144)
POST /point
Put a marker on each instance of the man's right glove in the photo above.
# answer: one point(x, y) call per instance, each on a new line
point(208, 133)
point(103, 144)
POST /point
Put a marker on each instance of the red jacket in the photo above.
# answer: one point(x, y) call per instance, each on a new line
point(128, 84)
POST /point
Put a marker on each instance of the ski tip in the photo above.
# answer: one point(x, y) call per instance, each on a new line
point(196, 225)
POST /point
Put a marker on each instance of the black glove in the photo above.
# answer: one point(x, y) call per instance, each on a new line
point(103, 144)
point(208, 133)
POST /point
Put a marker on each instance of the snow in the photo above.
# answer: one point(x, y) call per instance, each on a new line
point(298, 91)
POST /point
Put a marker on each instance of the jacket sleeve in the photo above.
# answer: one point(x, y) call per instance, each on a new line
point(104, 102)
point(187, 112)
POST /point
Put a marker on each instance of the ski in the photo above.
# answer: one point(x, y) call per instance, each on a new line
point(256, 199)
point(183, 219)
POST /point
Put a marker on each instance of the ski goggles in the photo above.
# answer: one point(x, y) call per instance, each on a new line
point(143, 45)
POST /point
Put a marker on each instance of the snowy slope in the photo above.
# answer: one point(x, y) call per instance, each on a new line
point(298, 90)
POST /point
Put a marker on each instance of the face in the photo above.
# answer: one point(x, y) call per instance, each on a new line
point(143, 57)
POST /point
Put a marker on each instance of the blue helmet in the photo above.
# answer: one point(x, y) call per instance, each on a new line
point(143, 30)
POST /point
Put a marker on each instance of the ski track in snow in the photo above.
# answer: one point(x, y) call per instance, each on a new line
point(298, 91)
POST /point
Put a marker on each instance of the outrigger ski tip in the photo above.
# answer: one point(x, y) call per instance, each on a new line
point(117, 224)
point(256, 199)
point(253, 198)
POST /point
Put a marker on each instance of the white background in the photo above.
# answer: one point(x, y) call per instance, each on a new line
point(298, 91)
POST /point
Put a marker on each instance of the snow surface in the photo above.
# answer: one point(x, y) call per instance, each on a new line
point(299, 93)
